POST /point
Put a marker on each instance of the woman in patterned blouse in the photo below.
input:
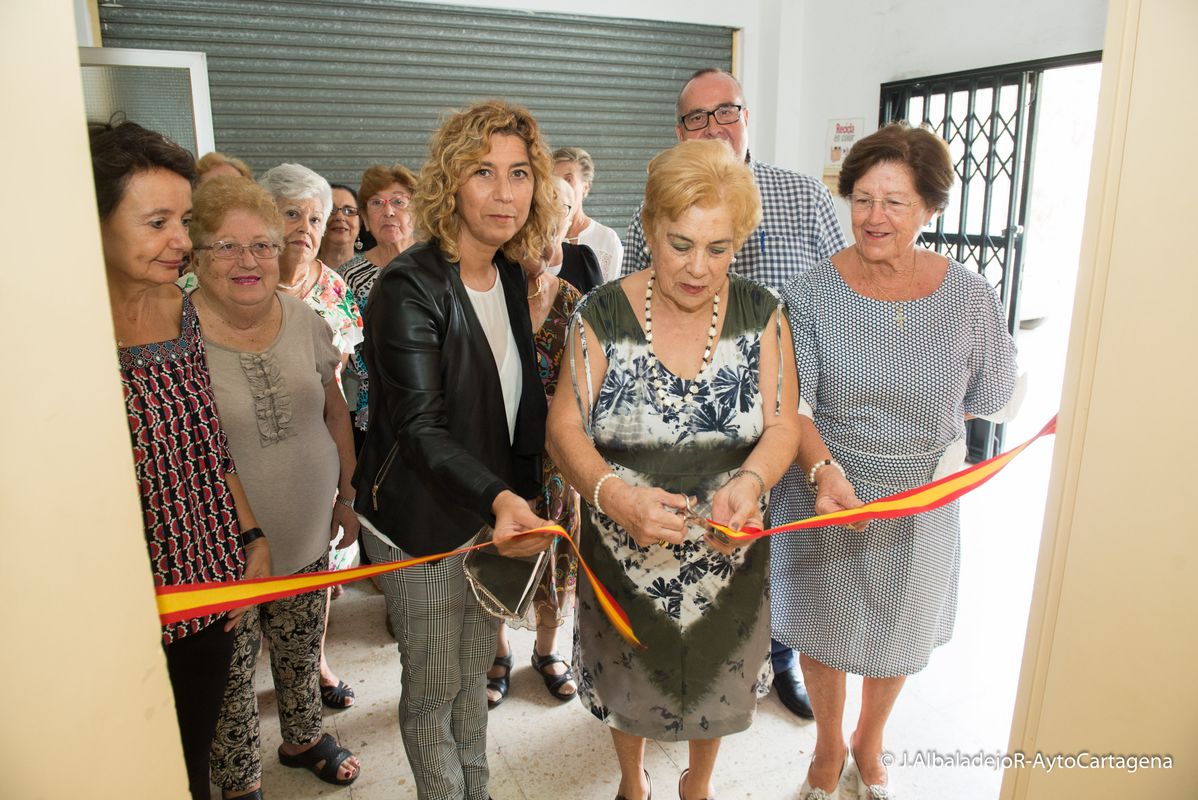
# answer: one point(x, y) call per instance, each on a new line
point(386, 195)
point(305, 199)
point(198, 523)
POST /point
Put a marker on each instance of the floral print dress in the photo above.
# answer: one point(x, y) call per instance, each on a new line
point(332, 299)
point(704, 617)
point(558, 500)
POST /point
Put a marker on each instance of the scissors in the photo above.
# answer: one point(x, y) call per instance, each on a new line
point(692, 517)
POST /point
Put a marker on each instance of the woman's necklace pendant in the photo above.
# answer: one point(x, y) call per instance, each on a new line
point(899, 316)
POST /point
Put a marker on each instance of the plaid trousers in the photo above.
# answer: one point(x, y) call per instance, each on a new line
point(446, 645)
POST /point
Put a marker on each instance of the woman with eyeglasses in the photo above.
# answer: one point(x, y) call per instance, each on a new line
point(340, 243)
point(896, 347)
point(198, 524)
point(274, 367)
point(386, 194)
point(576, 264)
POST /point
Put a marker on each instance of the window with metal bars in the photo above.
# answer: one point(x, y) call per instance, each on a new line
point(988, 118)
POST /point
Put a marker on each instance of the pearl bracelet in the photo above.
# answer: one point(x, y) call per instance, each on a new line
point(598, 486)
point(827, 462)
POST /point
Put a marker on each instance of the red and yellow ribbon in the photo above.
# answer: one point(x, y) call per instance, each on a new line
point(185, 601)
point(906, 503)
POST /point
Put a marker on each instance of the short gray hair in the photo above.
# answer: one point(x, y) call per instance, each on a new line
point(297, 182)
point(576, 155)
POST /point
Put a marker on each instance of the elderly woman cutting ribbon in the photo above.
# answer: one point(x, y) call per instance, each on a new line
point(682, 405)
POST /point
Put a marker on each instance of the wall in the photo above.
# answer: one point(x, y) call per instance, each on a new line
point(841, 52)
point(1109, 662)
point(88, 709)
point(850, 47)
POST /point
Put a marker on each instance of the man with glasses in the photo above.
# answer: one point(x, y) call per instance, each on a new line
point(798, 226)
point(798, 230)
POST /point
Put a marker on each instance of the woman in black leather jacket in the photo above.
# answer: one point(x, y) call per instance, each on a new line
point(457, 424)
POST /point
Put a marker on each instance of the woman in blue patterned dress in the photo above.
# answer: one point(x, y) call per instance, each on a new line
point(682, 405)
point(896, 347)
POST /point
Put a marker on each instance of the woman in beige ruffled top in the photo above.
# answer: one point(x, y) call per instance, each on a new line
point(273, 367)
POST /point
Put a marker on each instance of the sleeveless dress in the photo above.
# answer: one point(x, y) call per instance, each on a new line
point(181, 457)
point(889, 401)
point(704, 617)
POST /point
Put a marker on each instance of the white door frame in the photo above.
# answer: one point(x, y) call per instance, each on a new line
point(196, 64)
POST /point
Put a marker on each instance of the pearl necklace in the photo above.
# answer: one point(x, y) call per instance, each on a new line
point(664, 397)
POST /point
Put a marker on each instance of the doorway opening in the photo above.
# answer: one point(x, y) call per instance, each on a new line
point(1022, 139)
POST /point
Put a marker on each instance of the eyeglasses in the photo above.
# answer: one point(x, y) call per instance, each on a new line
point(349, 211)
point(863, 204)
point(230, 250)
point(398, 202)
point(698, 120)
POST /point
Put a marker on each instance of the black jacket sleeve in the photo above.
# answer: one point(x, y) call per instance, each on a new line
point(407, 366)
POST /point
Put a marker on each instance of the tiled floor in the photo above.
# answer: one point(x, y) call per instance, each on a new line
point(543, 750)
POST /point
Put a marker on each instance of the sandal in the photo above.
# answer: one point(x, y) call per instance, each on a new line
point(335, 696)
point(648, 794)
point(554, 683)
point(682, 782)
point(254, 795)
point(327, 750)
point(500, 684)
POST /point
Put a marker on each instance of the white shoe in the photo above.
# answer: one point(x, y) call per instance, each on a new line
point(806, 792)
point(875, 791)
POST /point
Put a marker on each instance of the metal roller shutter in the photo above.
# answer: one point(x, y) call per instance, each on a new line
point(339, 86)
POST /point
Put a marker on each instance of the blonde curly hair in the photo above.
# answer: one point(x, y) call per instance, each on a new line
point(462, 142)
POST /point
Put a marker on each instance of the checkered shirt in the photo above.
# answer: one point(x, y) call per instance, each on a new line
point(798, 230)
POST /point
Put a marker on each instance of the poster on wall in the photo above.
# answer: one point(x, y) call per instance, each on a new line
point(842, 133)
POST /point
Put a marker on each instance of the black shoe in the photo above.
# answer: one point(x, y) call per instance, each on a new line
point(789, 687)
